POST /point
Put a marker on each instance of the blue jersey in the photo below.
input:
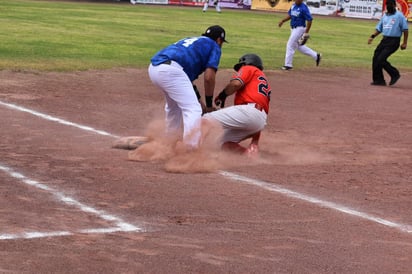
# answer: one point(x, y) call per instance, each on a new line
point(299, 14)
point(194, 54)
point(392, 25)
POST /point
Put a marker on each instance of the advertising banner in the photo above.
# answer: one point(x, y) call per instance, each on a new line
point(186, 2)
point(162, 2)
point(371, 9)
point(273, 5)
point(233, 4)
point(324, 7)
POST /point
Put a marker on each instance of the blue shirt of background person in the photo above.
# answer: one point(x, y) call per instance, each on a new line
point(299, 14)
point(392, 25)
point(194, 54)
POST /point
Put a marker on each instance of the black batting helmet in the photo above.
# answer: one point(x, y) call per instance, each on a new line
point(249, 59)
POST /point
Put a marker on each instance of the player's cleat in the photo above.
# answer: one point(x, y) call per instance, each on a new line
point(286, 68)
point(318, 58)
point(378, 84)
point(394, 80)
point(252, 151)
point(233, 147)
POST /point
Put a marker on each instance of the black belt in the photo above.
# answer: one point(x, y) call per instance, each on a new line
point(391, 38)
point(167, 62)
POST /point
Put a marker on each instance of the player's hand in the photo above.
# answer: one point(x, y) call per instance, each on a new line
point(403, 46)
point(209, 109)
point(280, 24)
point(370, 39)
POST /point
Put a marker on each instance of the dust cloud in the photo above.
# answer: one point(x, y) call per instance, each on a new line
point(207, 158)
point(284, 148)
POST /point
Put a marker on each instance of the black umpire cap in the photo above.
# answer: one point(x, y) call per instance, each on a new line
point(215, 32)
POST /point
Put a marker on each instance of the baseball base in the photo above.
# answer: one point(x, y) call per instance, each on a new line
point(130, 142)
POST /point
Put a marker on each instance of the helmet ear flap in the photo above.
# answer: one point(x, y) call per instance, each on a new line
point(238, 66)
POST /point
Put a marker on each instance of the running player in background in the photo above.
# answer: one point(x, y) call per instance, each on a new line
point(216, 3)
point(247, 117)
point(174, 68)
point(300, 23)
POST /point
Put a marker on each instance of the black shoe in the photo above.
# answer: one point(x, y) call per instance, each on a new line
point(378, 83)
point(286, 68)
point(394, 79)
point(318, 58)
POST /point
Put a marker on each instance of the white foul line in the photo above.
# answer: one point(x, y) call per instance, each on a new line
point(58, 120)
point(296, 195)
point(265, 185)
point(120, 225)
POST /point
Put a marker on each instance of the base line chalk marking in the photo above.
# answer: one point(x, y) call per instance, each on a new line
point(58, 120)
point(120, 225)
point(265, 185)
point(296, 195)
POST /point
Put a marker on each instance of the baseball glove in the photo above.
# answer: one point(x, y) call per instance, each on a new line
point(303, 39)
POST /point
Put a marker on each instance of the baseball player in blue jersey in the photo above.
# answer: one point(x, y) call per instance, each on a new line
point(174, 68)
point(392, 24)
point(300, 23)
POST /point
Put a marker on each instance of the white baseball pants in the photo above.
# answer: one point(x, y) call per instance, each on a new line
point(239, 122)
point(293, 45)
point(206, 5)
point(181, 105)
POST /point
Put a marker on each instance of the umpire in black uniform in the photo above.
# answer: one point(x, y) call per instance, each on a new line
point(392, 24)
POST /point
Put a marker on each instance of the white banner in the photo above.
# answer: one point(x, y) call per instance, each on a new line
point(371, 9)
point(324, 7)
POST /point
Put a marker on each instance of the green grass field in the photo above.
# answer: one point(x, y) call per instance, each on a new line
point(66, 36)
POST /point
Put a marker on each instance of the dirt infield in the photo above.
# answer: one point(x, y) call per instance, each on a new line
point(330, 193)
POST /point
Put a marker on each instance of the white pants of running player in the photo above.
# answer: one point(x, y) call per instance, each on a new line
point(238, 122)
point(293, 45)
point(181, 105)
point(206, 5)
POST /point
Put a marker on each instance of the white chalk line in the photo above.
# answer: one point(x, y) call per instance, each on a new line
point(331, 205)
point(120, 225)
point(57, 120)
point(262, 184)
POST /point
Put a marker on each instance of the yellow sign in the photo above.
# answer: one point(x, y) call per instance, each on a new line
point(273, 5)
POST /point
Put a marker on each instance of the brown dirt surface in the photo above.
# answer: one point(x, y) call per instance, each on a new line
point(330, 192)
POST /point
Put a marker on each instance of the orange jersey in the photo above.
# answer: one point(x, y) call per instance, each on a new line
point(255, 89)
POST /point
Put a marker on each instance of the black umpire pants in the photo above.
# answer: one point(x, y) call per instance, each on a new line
point(386, 47)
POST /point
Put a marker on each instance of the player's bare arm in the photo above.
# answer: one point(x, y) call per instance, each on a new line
point(308, 26)
point(405, 40)
point(373, 35)
point(233, 86)
point(287, 18)
point(209, 85)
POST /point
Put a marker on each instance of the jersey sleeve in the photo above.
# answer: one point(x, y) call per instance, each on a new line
point(405, 25)
point(307, 15)
point(244, 74)
point(379, 25)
